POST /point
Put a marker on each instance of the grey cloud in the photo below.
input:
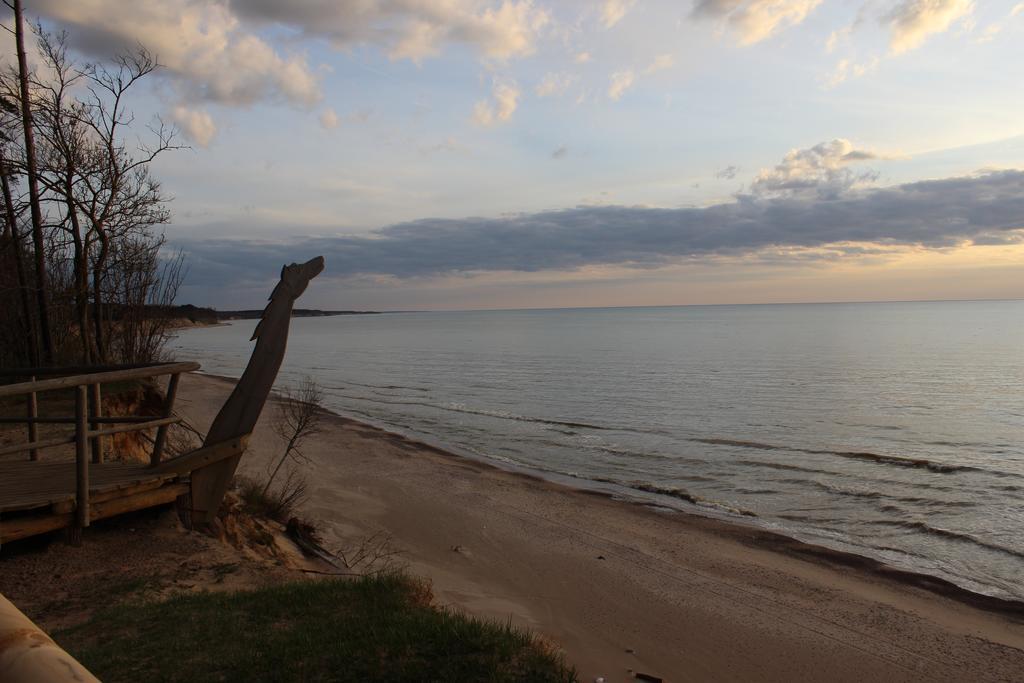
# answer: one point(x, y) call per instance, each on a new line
point(932, 214)
point(714, 8)
point(407, 29)
point(560, 153)
point(728, 173)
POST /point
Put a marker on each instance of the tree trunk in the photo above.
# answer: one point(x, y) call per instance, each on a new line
point(81, 264)
point(97, 296)
point(33, 190)
point(31, 341)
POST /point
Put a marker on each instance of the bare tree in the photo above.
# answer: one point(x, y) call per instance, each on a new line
point(301, 412)
point(123, 198)
point(96, 202)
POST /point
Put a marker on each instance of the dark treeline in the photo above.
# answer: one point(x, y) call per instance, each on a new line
point(82, 276)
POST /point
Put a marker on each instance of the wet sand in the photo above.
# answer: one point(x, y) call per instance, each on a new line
point(623, 587)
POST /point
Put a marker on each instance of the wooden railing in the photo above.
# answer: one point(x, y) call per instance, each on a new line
point(88, 418)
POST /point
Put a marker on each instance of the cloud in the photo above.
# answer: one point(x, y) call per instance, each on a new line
point(201, 45)
point(560, 153)
point(847, 68)
point(728, 173)
point(581, 57)
point(755, 20)
point(329, 119)
point(821, 171)
point(932, 214)
point(996, 27)
point(911, 22)
point(554, 84)
point(409, 29)
point(505, 99)
point(660, 62)
point(620, 82)
point(612, 11)
point(197, 125)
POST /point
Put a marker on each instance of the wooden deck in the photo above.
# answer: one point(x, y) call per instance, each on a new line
point(27, 485)
point(37, 497)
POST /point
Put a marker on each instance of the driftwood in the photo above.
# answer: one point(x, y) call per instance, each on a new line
point(238, 416)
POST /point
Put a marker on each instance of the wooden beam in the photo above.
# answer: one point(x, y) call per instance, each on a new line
point(37, 445)
point(202, 457)
point(50, 443)
point(81, 458)
point(105, 420)
point(96, 403)
point(161, 434)
point(16, 528)
point(135, 426)
point(33, 432)
point(91, 378)
point(64, 370)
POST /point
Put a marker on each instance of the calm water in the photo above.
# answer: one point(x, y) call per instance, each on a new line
point(891, 430)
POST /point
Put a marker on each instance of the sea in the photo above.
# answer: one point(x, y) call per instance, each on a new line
point(891, 430)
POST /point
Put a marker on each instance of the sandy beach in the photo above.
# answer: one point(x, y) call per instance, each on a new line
point(623, 588)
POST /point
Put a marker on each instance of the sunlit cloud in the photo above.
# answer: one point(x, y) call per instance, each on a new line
point(911, 22)
point(329, 119)
point(554, 84)
point(501, 106)
point(620, 82)
point(197, 125)
point(755, 20)
point(612, 11)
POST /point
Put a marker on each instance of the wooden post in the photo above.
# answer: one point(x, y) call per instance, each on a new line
point(161, 433)
point(96, 405)
point(81, 457)
point(33, 429)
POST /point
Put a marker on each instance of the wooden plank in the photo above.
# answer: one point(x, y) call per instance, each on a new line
point(25, 485)
point(81, 459)
point(161, 434)
point(205, 456)
point(91, 378)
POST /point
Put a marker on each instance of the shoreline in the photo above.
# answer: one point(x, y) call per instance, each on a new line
point(779, 541)
point(624, 585)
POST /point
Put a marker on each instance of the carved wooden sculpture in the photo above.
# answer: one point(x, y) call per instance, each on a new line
point(238, 416)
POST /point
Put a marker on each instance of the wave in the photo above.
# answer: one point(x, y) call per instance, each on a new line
point(692, 498)
point(921, 463)
point(381, 386)
point(958, 536)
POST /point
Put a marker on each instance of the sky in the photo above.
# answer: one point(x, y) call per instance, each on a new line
point(460, 154)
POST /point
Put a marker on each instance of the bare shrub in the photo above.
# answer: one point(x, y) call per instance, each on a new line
point(299, 418)
point(370, 555)
point(279, 502)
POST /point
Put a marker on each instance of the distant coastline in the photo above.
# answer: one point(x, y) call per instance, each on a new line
point(188, 315)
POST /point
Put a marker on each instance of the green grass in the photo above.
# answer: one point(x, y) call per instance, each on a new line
point(369, 629)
